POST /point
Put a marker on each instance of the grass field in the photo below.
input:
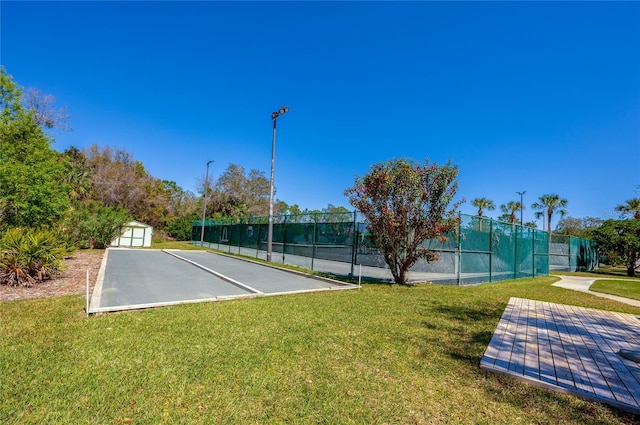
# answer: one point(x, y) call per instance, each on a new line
point(164, 244)
point(603, 271)
point(623, 288)
point(381, 355)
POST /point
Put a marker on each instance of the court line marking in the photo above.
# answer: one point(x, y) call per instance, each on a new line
point(169, 303)
point(277, 267)
point(96, 296)
point(215, 273)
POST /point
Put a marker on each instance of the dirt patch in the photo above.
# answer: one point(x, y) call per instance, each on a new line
point(73, 280)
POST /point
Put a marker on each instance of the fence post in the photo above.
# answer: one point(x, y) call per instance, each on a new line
point(490, 250)
point(258, 240)
point(533, 252)
point(313, 240)
point(570, 254)
point(284, 236)
point(354, 243)
point(515, 252)
point(459, 246)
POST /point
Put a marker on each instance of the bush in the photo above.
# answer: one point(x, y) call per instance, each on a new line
point(180, 227)
point(28, 256)
point(94, 225)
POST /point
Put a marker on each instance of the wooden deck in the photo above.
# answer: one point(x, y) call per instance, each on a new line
point(568, 349)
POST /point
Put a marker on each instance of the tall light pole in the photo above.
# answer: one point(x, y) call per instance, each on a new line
point(274, 116)
point(204, 202)
point(521, 205)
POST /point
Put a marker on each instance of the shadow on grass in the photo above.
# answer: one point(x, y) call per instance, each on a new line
point(461, 325)
point(470, 328)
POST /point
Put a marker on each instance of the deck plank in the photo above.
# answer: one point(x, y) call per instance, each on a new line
point(569, 349)
point(547, 368)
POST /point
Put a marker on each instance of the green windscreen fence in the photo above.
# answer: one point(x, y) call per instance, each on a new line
point(572, 254)
point(479, 250)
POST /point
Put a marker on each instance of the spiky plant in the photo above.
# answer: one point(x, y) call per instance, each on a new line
point(28, 256)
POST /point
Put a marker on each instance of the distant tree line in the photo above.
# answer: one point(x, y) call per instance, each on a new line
point(82, 198)
point(618, 240)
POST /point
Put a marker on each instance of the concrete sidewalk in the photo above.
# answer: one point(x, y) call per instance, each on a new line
point(582, 284)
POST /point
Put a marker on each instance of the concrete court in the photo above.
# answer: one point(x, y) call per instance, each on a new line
point(135, 279)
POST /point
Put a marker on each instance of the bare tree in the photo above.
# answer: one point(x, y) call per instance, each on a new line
point(44, 110)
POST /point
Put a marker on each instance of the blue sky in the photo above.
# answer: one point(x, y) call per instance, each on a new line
point(535, 96)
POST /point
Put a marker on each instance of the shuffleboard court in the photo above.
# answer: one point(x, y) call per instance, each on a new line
point(136, 279)
point(265, 279)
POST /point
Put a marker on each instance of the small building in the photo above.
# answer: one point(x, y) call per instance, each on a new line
point(134, 234)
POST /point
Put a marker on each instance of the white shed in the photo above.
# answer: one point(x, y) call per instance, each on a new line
point(134, 234)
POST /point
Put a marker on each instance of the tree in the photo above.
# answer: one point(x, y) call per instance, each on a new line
point(91, 224)
point(337, 214)
point(577, 226)
point(78, 175)
point(619, 240)
point(116, 176)
point(549, 205)
point(509, 209)
point(237, 193)
point(405, 203)
point(280, 207)
point(180, 227)
point(632, 207)
point(32, 188)
point(180, 202)
point(294, 210)
point(120, 180)
point(482, 204)
point(44, 111)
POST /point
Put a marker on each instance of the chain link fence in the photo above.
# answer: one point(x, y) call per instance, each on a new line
point(479, 250)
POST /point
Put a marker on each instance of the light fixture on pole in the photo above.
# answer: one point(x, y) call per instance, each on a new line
point(204, 202)
point(521, 205)
point(274, 116)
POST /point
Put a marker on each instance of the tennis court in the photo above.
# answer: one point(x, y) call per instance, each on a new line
point(136, 279)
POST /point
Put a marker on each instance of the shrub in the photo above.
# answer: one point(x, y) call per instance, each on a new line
point(180, 227)
point(94, 225)
point(28, 256)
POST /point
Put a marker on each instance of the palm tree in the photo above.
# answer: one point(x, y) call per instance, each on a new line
point(549, 205)
point(482, 203)
point(632, 206)
point(510, 208)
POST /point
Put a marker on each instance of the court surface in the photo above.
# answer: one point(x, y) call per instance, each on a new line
point(135, 279)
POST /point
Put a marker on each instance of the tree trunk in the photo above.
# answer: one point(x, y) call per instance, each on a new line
point(631, 271)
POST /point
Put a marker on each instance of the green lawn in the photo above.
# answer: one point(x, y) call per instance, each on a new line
point(623, 288)
point(165, 244)
point(379, 355)
point(603, 271)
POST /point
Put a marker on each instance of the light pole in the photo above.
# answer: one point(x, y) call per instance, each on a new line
point(204, 202)
point(274, 116)
point(521, 205)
